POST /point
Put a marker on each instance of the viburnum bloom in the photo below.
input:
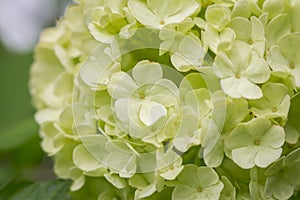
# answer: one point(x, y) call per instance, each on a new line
point(255, 143)
point(155, 13)
point(198, 183)
point(285, 56)
point(173, 99)
point(240, 69)
point(143, 103)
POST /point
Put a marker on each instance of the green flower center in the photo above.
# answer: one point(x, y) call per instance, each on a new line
point(142, 96)
point(238, 75)
point(274, 109)
point(199, 189)
point(292, 65)
point(162, 22)
point(250, 41)
point(256, 142)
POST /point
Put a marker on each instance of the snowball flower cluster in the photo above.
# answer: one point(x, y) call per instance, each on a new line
point(172, 99)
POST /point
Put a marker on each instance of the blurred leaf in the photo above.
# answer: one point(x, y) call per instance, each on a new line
point(10, 186)
point(49, 190)
point(295, 111)
point(17, 134)
point(15, 102)
point(292, 127)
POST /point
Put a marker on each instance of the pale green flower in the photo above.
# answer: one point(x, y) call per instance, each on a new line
point(53, 139)
point(57, 55)
point(147, 185)
point(284, 78)
point(274, 103)
point(255, 143)
point(285, 56)
point(65, 168)
point(283, 176)
point(187, 54)
point(86, 162)
point(217, 35)
point(172, 99)
point(142, 104)
point(236, 111)
point(186, 49)
point(100, 65)
point(240, 69)
point(197, 183)
point(118, 156)
point(217, 16)
point(45, 69)
point(250, 32)
point(257, 184)
point(111, 19)
point(57, 130)
point(169, 164)
point(218, 41)
point(157, 14)
point(245, 8)
point(115, 180)
point(196, 106)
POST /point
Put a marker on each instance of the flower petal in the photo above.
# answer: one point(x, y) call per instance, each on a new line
point(274, 137)
point(249, 90)
point(244, 157)
point(231, 87)
point(151, 112)
point(258, 71)
point(121, 85)
point(84, 160)
point(266, 156)
point(147, 72)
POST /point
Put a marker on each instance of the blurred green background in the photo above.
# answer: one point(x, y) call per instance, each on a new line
point(21, 159)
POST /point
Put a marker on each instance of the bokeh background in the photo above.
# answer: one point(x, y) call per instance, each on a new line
point(21, 158)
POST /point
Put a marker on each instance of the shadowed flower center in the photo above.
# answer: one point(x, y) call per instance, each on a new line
point(199, 189)
point(256, 142)
point(292, 65)
point(162, 22)
point(142, 96)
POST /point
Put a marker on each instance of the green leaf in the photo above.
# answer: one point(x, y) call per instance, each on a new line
point(17, 134)
point(49, 190)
